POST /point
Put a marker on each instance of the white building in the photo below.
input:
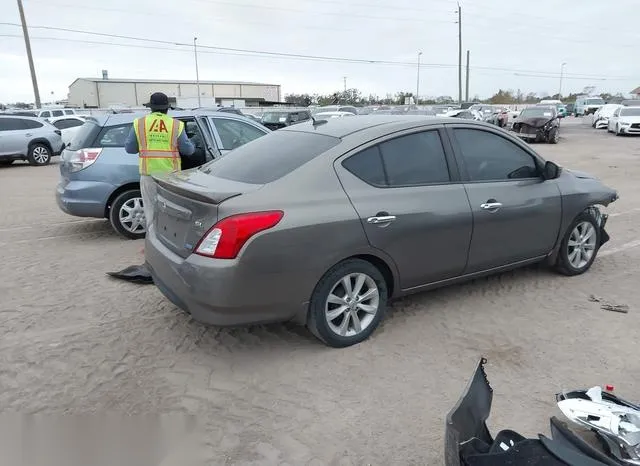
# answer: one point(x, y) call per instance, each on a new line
point(104, 93)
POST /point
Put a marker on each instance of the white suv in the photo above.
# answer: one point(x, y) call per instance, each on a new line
point(27, 138)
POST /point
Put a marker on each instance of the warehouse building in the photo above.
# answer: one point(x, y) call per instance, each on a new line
point(105, 93)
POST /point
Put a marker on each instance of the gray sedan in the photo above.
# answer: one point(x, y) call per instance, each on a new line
point(322, 223)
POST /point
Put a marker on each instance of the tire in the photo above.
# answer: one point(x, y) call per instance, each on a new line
point(6, 163)
point(565, 264)
point(328, 331)
point(39, 154)
point(128, 200)
point(618, 133)
point(554, 136)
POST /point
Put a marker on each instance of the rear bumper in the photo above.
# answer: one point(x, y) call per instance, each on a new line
point(220, 292)
point(83, 198)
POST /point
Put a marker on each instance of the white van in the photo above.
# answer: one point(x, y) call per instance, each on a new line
point(587, 105)
point(55, 112)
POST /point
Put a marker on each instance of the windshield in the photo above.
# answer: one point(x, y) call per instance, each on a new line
point(537, 112)
point(274, 117)
point(595, 102)
point(635, 111)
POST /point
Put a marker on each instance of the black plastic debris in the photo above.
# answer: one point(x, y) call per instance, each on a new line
point(135, 274)
point(468, 441)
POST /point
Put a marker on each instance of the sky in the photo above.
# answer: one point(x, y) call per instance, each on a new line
point(513, 44)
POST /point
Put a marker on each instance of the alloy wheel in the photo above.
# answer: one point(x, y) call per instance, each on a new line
point(581, 245)
point(40, 154)
point(352, 304)
point(132, 216)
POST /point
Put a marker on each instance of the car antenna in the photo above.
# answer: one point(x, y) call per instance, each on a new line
point(317, 122)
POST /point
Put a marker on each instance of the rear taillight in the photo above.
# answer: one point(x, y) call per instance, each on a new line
point(225, 239)
point(82, 158)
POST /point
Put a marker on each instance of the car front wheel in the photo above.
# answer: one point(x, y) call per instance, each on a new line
point(127, 215)
point(348, 303)
point(554, 136)
point(579, 246)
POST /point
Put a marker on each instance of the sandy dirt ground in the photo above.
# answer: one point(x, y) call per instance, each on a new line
point(72, 341)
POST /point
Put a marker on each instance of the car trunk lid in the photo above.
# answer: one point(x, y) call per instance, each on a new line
point(186, 206)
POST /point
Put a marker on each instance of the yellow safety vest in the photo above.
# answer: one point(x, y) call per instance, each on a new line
point(157, 136)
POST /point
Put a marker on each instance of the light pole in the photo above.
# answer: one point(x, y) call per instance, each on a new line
point(418, 79)
point(195, 53)
point(27, 43)
point(561, 76)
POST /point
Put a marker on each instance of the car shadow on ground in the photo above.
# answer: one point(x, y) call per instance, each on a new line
point(281, 338)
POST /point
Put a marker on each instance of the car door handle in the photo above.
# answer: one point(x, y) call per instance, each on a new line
point(491, 205)
point(28, 135)
point(381, 219)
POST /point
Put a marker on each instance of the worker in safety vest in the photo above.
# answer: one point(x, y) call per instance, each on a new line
point(160, 140)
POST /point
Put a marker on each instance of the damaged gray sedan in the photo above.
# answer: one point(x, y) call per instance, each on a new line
point(538, 124)
point(322, 222)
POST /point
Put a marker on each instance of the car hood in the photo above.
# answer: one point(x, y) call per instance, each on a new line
point(536, 122)
point(580, 174)
point(630, 119)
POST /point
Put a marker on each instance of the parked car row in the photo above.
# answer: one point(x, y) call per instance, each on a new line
point(617, 118)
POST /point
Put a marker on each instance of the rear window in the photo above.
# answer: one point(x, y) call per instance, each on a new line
point(113, 136)
point(270, 157)
point(85, 136)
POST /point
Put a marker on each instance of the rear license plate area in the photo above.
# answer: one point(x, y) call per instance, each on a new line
point(172, 222)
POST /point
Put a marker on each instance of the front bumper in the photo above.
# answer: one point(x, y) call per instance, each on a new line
point(602, 123)
point(221, 292)
point(630, 129)
point(83, 198)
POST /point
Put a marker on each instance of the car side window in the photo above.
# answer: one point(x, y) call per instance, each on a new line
point(114, 136)
point(46, 114)
point(31, 124)
point(304, 116)
point(415, 159)
point(234, 134)
point(68, 112)
point(11, 124)
point(490, 157)
point(367, 165)
point(57, 113)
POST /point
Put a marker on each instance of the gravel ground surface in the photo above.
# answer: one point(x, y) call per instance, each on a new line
point(72, 341)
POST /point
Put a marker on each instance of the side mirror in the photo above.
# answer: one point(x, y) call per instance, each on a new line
point(551, 171)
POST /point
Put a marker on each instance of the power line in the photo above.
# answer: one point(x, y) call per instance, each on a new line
point(261, 53)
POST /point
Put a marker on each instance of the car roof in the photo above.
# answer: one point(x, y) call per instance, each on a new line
point(342, 127)
point(22, 117)
point(123, 118)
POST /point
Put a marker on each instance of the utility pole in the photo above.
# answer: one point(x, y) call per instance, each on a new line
point(418, 79)
point(466, 93)
point(195, 53)
point(344, 78)
point(561, 76)
point(27, 44)
point(459, 54)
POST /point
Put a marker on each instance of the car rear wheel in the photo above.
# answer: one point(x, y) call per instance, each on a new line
point(127, 215)
point(579, 246)
point(39, 155)
point(348, 303)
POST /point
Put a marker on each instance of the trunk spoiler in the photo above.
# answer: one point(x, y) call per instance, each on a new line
point(182, 183)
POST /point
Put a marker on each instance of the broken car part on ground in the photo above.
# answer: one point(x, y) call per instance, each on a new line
point(468, 441)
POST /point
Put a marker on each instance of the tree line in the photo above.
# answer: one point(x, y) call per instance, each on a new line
point(355, 97)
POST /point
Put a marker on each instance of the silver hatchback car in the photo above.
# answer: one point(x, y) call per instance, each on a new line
point(28, 138)
point(323, 222)
point(99, 179)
